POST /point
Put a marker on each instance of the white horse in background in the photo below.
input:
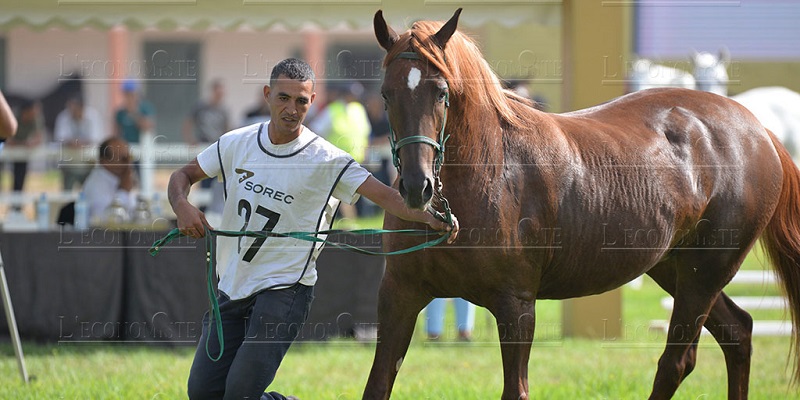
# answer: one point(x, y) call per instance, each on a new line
point(645, 74)
point(711, 71)
point(778, 108)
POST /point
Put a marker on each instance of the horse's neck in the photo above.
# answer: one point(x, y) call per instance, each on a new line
point(476, 136)
point(475, 149)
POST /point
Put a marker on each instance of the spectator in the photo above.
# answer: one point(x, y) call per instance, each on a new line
point(8, 123)
point(259, 113)
point(209, 120)
point(206, 124)
point(522, 89)
point(30, 133)
point(379, 145)
point(344, 121)
point(77, 127)
point(345, 124)
point(135, 116)
point(111, 178)
point(465, 318)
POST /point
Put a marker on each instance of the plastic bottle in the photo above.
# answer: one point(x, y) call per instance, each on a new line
point(141, 214)
point(81, 212)
point(116, 212)
point(43, 213)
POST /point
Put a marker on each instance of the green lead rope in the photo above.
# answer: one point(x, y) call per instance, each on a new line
point(216, 319)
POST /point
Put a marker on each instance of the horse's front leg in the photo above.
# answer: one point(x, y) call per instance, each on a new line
point(399, 304)
point(516, 320)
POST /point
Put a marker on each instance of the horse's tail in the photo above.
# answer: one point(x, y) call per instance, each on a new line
point(781, 242)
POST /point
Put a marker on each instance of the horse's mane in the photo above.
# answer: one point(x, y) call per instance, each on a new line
point(466, 71)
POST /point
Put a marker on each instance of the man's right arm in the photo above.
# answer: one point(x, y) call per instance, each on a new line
point(191, 221)
point(8, 122)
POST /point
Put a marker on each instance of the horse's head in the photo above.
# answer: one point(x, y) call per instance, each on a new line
point(416, 93)
point(710, 71)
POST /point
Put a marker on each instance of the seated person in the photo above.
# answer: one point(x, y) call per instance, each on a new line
point(112, 178)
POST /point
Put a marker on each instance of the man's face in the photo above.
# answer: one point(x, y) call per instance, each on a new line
point(218, 92)
point(75, 109)
point(289, 101)
point(118, 157)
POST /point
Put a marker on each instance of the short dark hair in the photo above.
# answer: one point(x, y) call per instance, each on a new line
point(292, 68)
point(107, 150)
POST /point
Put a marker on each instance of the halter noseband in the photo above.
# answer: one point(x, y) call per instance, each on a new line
point(438, 145)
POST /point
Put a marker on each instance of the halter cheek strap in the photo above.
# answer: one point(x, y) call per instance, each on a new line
point(438, 146)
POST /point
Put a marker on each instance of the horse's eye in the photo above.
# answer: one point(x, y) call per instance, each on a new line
point(442, 95)
point(385, 101)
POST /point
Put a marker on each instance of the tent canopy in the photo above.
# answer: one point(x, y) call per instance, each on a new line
point(265, 14)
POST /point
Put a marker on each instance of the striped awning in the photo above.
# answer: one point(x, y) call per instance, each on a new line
point(230, 15)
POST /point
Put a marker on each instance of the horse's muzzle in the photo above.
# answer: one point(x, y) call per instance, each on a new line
point(416, 192)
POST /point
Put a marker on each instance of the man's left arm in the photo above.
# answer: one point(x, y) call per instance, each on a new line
point(391, 201)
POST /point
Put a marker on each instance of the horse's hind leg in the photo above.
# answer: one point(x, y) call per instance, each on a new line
point(730, 325)
point(399, 305)
point(515, 324)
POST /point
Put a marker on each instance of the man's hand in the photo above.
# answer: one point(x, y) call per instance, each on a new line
point(191, 221)
point(390, 200)
point(443, 227)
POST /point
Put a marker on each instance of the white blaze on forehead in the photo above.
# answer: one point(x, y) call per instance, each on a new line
point(414, 76)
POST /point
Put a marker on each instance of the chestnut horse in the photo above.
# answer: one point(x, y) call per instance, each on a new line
point(697, 171)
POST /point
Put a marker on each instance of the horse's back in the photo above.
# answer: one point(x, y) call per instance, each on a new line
point(648, 168)
point(778, 109)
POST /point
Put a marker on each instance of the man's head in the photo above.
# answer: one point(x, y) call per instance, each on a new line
point(75, 107)
point(114, 155)
point(295, 69)
point(130, 91)
point(290, 94)
point(217, 91)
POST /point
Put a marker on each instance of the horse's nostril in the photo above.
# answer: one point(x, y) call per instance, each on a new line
point(427, 193)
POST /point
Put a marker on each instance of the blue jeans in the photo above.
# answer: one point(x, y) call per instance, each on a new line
point(434, 316)
point(257, 331)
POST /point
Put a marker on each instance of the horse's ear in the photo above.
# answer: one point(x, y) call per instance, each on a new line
point(693, 54)
point(724, 56)
point(384, 33)
point(447, 30)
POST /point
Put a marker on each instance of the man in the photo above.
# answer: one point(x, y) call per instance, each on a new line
point(344, 121)
point(135, 116)
point(30, 134)
point(77, 127)
point(111, 179)
point(345, 124)
point(279, 176)
point(209, 120)
point(8, 122)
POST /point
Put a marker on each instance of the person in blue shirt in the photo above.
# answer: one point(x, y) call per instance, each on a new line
point(135, 116)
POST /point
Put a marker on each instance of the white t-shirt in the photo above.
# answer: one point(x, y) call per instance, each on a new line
point(290, 187)
point(101, 187)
